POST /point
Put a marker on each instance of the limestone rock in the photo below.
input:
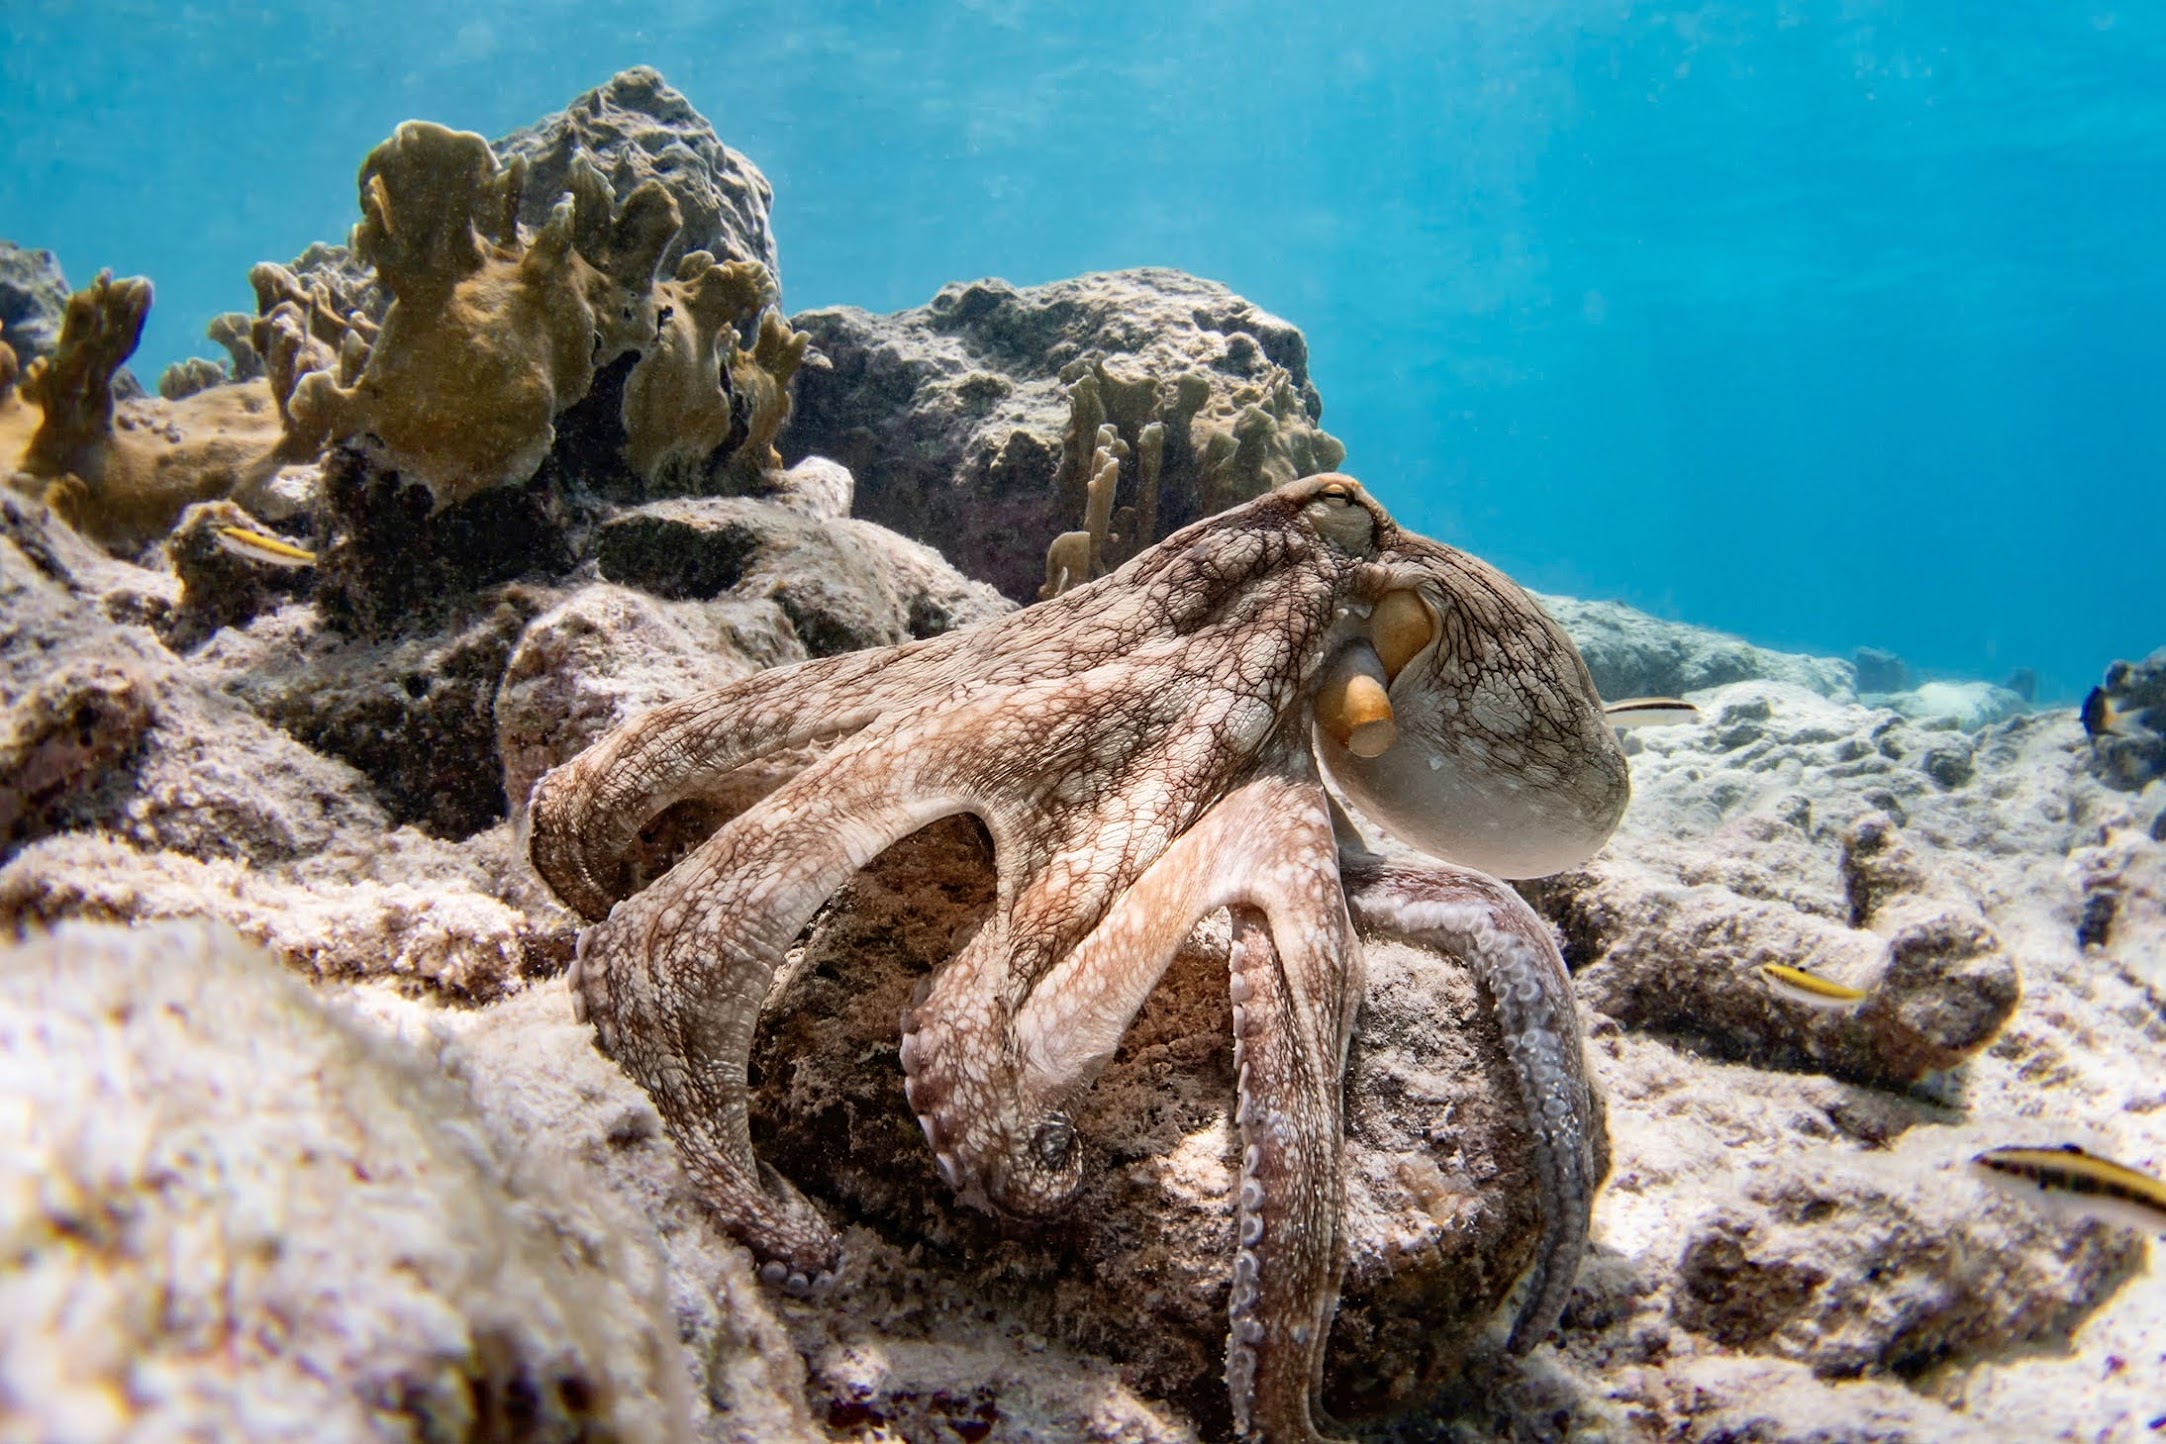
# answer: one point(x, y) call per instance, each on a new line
point(168, 761)
point(138, 787)
point(1880, 670)
point(1962, 706)
point(231, 1211)
point(954, 416)
point(1632, 654)
point(607, 653)
point(1771, 1203)
point(414, 714)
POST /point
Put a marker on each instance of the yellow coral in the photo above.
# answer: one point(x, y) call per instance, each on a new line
point(488, 336)
point(121, 476)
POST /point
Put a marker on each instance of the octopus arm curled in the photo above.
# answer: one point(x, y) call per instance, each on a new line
point(1514, 953)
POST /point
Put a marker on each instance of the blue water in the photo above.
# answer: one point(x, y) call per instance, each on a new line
point(1827, 323)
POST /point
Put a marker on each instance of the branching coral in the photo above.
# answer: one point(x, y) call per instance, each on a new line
point(1137, 449)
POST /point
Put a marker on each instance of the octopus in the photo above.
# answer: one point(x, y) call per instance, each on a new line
point(1199, 730)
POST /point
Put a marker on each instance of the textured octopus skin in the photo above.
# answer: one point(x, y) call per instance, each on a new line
point(1143, 751)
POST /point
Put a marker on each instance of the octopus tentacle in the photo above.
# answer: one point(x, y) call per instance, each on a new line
point(1296, 979)
point(585, 814)
point(1514, 953)
point(1224, 582)
point(675, 978)
point(1286, 1264)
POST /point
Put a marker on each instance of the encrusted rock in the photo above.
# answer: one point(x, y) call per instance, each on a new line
point(61, 740)
point(172, 763)
point(607, 653)
point(844, 584)
point(33, 299)
point(221, 587)
point(1632, 654)
point(955, 417)
point(2126, 720)
point(1880, 670)
point(231, 1211)
point(415, 714)
point(634, 129)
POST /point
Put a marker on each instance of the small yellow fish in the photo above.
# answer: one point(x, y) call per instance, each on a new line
point(2090, 1184)
point(261, 547)
point(1810, 989)
point(1649, 712)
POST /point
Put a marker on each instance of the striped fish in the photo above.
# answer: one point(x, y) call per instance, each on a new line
point(2082, 1180)
point(1810, 989)
point(1650, 712)
point(259, 546)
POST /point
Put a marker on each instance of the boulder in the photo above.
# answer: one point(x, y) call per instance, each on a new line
point(231, 1210)
point(970, 422)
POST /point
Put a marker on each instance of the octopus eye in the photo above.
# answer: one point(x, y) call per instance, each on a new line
point(1334, 513)
point(1054, 1141)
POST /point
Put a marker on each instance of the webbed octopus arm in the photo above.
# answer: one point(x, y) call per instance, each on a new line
point(1265, 852)
point(585, 814)
point(1473, 916)
point(1232, 575)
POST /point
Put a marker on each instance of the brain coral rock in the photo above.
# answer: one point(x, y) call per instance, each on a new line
point(230, 1211)
point(634, 129)
point(960, 418)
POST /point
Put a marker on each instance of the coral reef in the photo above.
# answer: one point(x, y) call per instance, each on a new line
point(211, 1157)
point(973, 422)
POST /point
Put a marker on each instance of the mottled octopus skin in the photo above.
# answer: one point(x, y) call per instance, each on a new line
point(1143, 751)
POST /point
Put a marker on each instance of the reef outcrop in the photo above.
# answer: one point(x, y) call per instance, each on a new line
point(33, 299)
point(974, 422)
point(633, 129)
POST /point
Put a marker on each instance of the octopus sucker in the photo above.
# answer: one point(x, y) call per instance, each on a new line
point(1143, 750)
